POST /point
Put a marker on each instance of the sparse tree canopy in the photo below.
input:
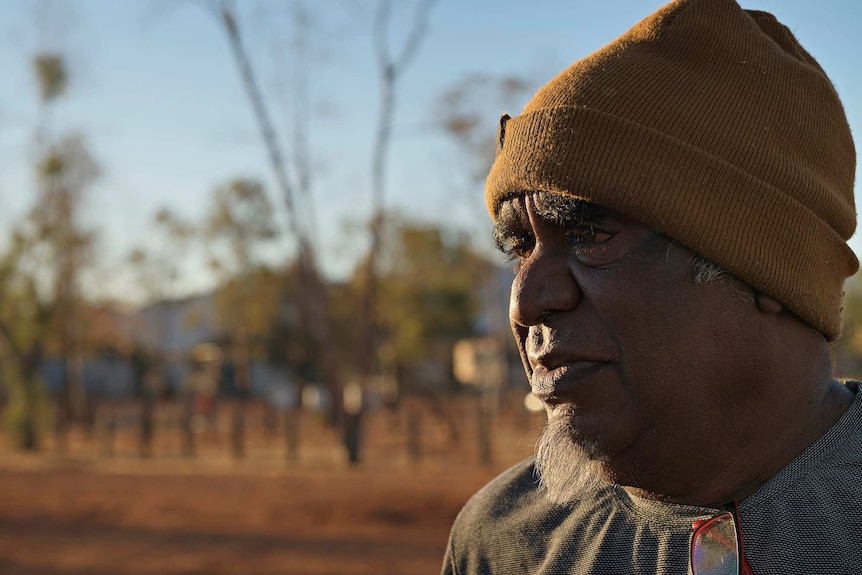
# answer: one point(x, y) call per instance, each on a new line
point(50, 71)
point(430, 290)
point(158, 266)
point(241, 217)
point(463, 110)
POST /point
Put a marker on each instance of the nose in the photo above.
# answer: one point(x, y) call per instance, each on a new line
point(543, 285)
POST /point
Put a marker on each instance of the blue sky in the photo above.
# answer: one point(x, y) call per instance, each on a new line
point(155, 93)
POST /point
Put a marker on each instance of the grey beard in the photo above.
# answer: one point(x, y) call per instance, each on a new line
point(563, 466)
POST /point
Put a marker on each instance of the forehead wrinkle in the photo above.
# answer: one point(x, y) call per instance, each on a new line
point(555, 208)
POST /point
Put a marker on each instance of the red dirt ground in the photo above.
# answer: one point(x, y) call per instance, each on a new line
point(83, 513)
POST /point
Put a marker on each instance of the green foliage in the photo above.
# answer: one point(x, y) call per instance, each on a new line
point(64, 172)
point(430, 291)
point(240, 216)
point(24, 330)
point(847, 351)
point(28, 412)
point(40, 270)
point(157, 266)
point(175, 227)
point(22, 312)
point(251, 303)
point(239, 219)
point(66, 167)
point(59, 246)
point(41, 264)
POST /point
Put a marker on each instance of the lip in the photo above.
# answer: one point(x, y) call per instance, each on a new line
point(563, 383)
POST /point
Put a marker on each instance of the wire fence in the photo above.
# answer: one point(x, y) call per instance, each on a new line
point(458, 430)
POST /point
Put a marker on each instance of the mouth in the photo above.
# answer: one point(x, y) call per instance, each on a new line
point(566, 382)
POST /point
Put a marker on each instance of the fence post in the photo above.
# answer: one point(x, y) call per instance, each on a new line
point(291, 431)
point(187, 427)
point(414, 448)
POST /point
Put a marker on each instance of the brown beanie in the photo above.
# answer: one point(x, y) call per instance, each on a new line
point(714, 126)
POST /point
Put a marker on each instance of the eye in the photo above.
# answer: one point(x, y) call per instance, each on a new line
point(590, 244)
point(519, 247)
point(586, 236)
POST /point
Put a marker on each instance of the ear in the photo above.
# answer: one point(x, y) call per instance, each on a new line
point(766, 304)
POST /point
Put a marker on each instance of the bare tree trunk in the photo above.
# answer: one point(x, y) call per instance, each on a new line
point(390, 70)
point(109, 425)
point(293, 423)
point(292, 430)
point(29, 439)
point(187, 422)
point(25, 366)
point(144, 373)
point(312, 298)
point(237, 434)
point(148, 408)
point(66, 296)
point(414, 436)
point(242, 379)
point(484, 422)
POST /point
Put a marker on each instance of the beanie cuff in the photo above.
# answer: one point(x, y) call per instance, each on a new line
point(736, 220)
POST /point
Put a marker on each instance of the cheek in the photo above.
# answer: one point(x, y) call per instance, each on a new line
point(681, 359)
point(661, 334)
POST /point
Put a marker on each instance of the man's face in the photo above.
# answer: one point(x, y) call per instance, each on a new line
point(640, 368)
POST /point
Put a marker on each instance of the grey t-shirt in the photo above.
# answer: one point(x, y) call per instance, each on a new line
point(807, 519)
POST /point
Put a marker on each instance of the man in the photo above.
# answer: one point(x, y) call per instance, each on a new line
point(678, 205)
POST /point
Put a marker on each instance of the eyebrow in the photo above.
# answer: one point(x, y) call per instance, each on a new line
point(554, 207)
point(502, 235)
point(511, 222)
point(561, 209)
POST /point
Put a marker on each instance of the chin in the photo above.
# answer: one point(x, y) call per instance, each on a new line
point(566, 467)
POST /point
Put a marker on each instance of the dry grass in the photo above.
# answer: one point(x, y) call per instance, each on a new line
point(85, 513)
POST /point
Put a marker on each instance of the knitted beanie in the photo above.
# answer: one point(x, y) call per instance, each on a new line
point(710, 124)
